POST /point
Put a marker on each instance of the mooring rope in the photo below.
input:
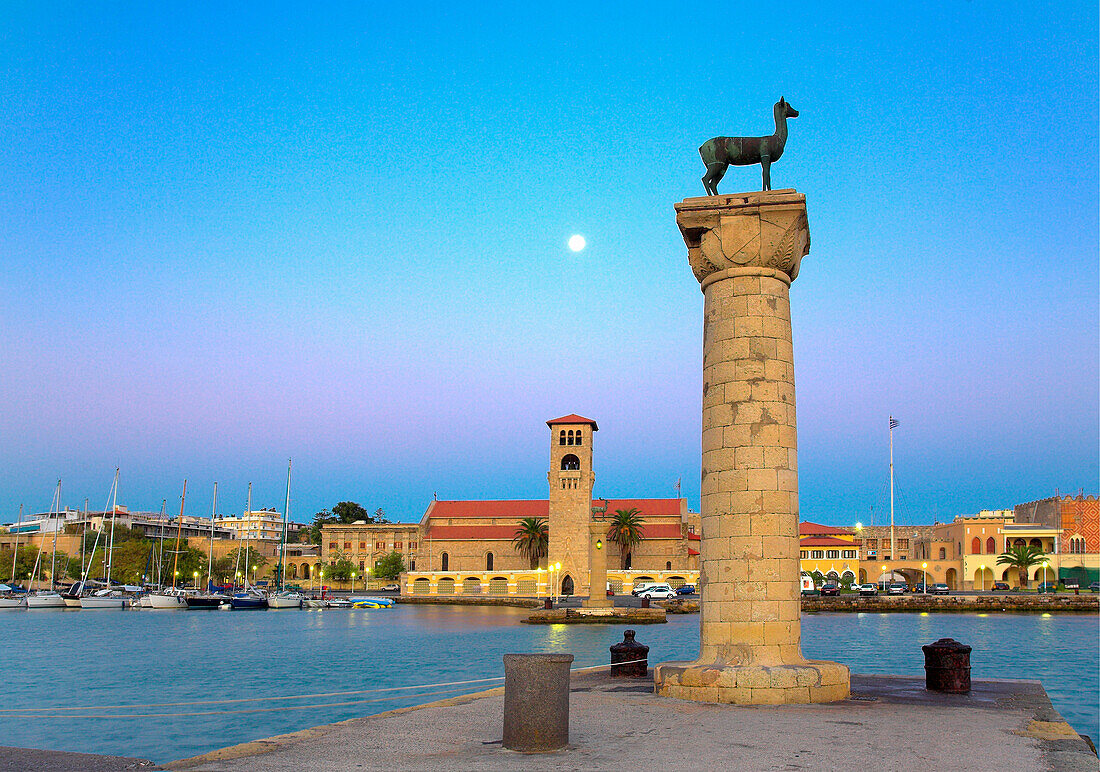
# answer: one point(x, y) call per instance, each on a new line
point(453, 686)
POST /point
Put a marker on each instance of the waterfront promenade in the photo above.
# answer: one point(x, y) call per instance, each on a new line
point(891, 723)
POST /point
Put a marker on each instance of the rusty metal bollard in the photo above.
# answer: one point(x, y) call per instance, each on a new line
point(536, 702)
point(547, 603)
point(645, 602)
point(947, 666)
point(629, 651)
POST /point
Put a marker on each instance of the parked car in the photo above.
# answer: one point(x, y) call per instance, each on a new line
point(830, 588)
point(1000, 587)
point(1095, 586)
point(920, 588)
point(685, 589)
point(897, 588)
point(1048, 587)
point(392, 588)
point(661, 591)
point(939, 588)
point(868, 589)
point(642, 587)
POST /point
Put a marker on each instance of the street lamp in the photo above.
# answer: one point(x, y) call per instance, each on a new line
point(884, 578)
point(538, 581)
point(981, 570)
point(557, 569)
point(925, 567)
point(353, 582)
point(195, 574)
point(1045, 564)
point(253, 574)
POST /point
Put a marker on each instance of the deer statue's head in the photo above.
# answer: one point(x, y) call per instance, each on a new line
point(782, 108)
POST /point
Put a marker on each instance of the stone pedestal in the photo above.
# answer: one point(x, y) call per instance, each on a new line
point(745, 250)
point(597, 566)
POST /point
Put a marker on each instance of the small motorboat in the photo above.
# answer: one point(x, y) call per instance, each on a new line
point(207, 600)
point(170, 598)
point(338, 603)
point(314, 603)
point(104, 599)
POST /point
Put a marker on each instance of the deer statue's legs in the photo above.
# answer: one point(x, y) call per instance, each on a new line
point(714, 175)
point(766, 171)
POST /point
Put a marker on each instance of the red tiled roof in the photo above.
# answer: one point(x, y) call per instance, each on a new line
point(573, 418)
point(472, 532)
point(661, 531)
point(692, 552)
point(824, 541)
point(816, 529)
point(541, 508)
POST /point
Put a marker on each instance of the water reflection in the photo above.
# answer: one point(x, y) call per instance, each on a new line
point(137, 657)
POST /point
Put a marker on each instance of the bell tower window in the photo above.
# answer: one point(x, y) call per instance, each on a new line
point(561, 437)
point(578, 437)
point(570, 463)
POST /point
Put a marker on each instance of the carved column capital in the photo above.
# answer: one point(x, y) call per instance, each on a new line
point(764, 233)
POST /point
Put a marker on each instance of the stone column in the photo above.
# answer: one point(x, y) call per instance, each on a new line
point(597, 565)
point(745, 250)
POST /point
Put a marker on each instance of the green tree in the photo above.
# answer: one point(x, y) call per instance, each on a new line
point(532, 539)
point(380, 516)
point(1022, 557)
point(389, 566)
point(321, 519)
point(24, 563)
point(626, 530)
point(340, 568)
point(348, 512)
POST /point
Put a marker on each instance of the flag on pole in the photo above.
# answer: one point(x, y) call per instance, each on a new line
point(893, 423)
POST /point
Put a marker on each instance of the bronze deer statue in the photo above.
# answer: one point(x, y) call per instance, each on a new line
point(719, 153)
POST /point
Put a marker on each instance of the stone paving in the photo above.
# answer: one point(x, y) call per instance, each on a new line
point(890, 723)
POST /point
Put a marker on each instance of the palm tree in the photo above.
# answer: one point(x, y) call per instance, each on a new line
point(532, 539)
point(626, 531)
point(1023, 557)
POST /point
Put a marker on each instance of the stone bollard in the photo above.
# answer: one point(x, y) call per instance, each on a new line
point(629, 651)
point(947, 666)
point(645, 602)
point(536, 702)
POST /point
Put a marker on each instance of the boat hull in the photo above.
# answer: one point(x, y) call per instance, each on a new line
point(95, 603)
point(206, 601)
point(284, 601)
point(159, 601)
point(46, 600)
point(72, 601)
point(241, 604)
point(11, 603)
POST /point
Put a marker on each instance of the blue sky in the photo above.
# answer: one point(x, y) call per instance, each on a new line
point(233, 235)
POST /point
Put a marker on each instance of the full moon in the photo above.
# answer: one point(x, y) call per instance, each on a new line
point(577, 242)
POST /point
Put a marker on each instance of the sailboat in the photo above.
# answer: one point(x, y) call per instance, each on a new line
point(9, 598)
point(107, 598)
point(248, 597)
point(284, 598)
point(209, 599)
point(171, 598)
point(48, 598)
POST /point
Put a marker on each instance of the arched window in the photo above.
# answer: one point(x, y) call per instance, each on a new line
point(1019, 543)
point(445, 562)
point(1035, 543)
point(668, 565)
point(561, 437)
point(569, 462)
point(488, 561)
point(570, 437)
point(578, 437)
point(976, 546)
point(943, 553)
point(991, 545)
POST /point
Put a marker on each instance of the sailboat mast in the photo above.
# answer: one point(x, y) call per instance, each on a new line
point(53, 556)
point(15, 554)
point(160, 546)
point(84, 538)
point(179, 527)
point(210, 553)
point(893, 544)
point(286, 517)
point(247, 546)
point(114, 511)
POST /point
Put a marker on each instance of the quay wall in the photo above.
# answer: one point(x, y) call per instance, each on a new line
point(1080, 604)
point(453, 600)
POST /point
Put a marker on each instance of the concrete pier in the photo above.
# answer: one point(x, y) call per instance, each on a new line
point(890, 723)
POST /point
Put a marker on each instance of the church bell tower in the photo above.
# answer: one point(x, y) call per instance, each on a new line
point(571, 479)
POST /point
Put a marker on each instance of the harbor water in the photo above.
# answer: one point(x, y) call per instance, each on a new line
point(101, 678)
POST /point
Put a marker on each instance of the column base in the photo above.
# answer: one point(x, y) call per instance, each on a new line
point(598, 603)
point(811, 681)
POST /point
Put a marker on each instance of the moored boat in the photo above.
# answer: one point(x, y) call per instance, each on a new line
point(169, 599)
point(284, 599)
point(369, 602)
point(11, 602)
point(208, 600)
point(45, 599)
point(104, 599)
point(249, 599)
